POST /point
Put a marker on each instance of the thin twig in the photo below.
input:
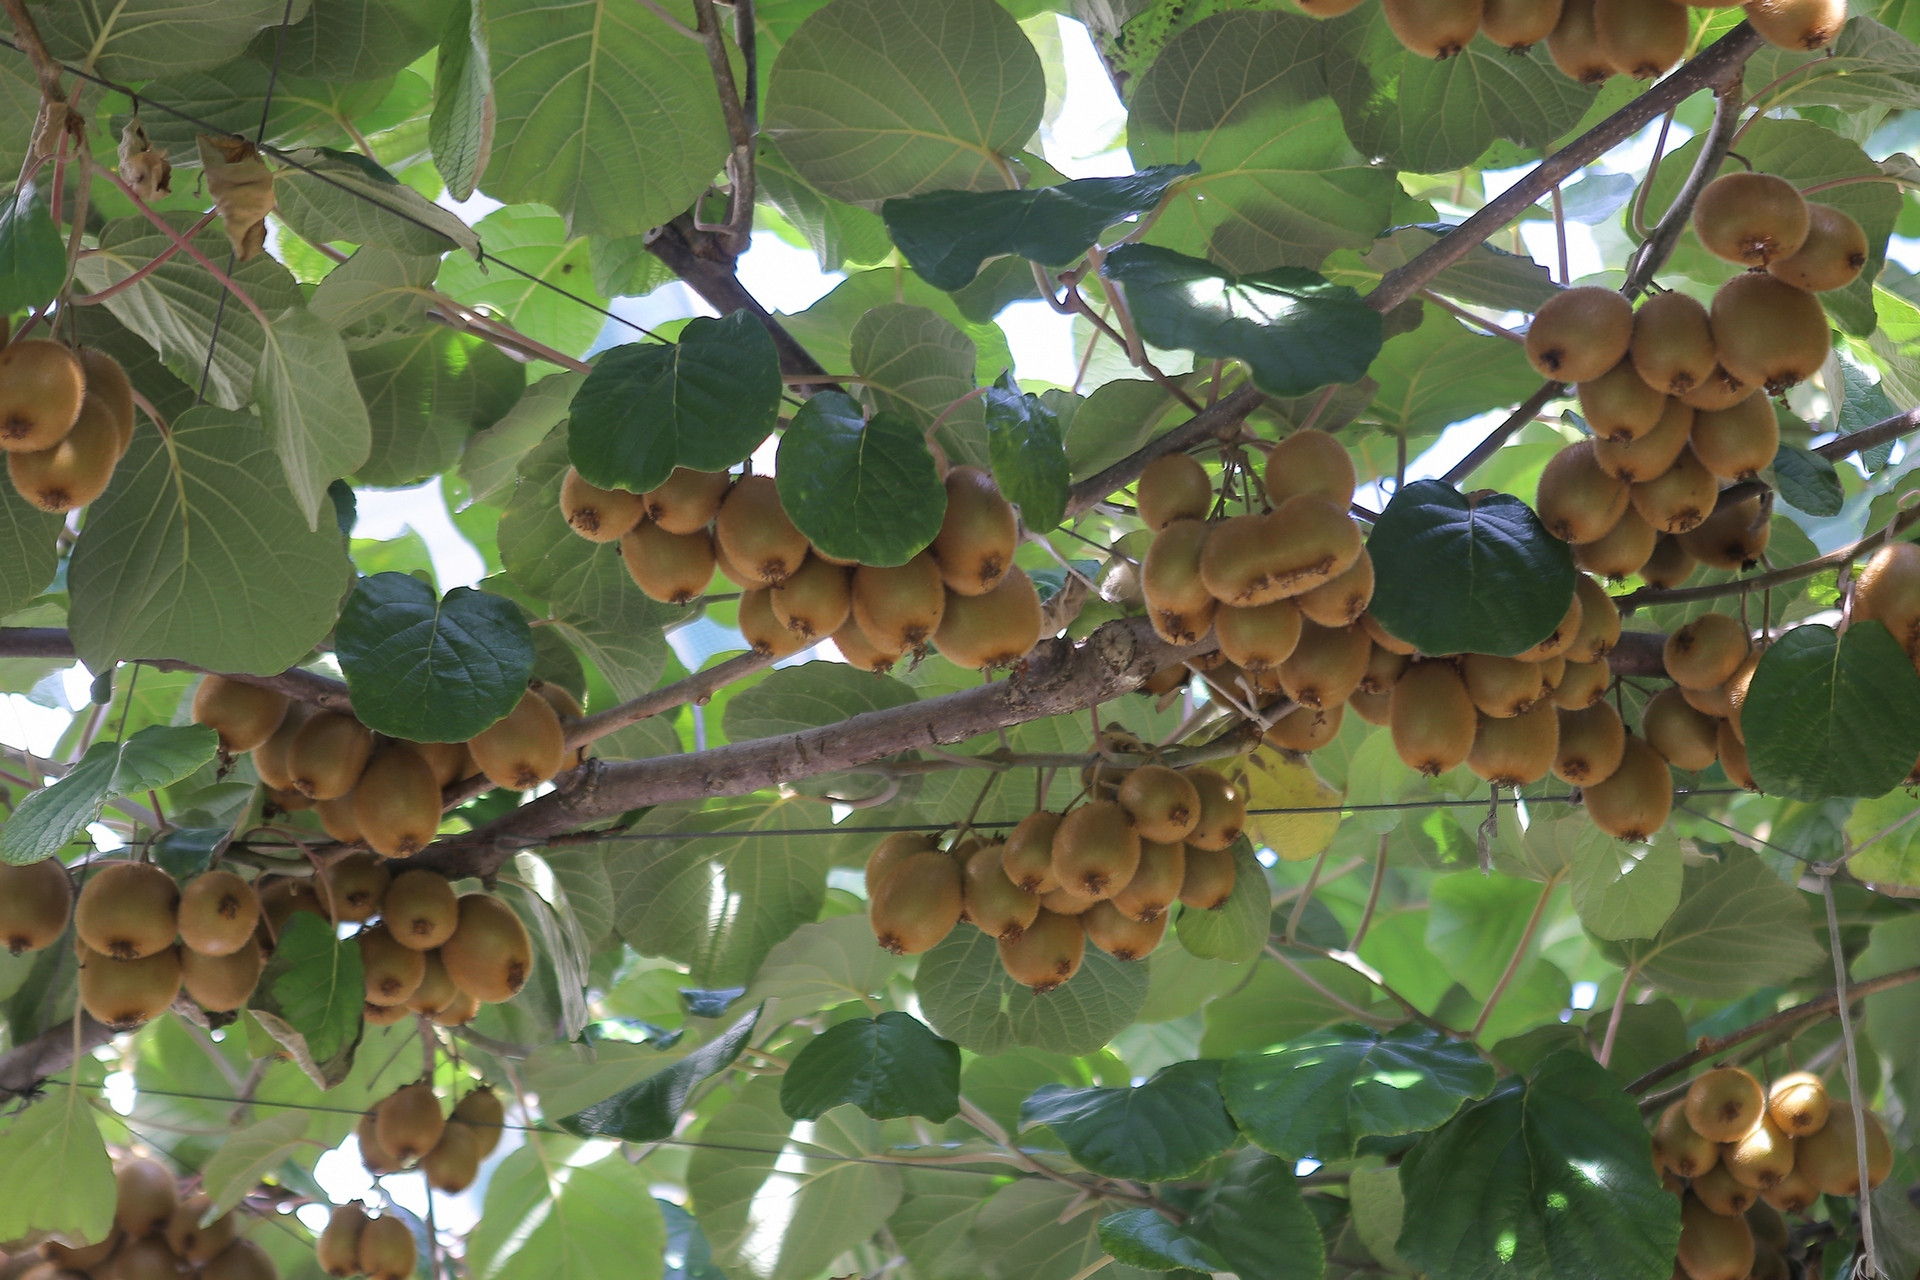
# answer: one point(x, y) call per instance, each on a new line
point(1519, 955)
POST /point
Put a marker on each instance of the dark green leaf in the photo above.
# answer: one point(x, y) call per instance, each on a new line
point(1548, 1177)
point(1142, 1238)
point(1029, 455)
point(310, 995)
point(184, 851)
point(1255, 1219)
point(1319, 1095)
point(890, 1066)
point(704, 402)
point(32, 259)
point(1166, 1128)
point(1237, 930)
point(1808, 481)
point(946, 235)
point(688, 1243)
point(1865, 404)
point(1738, 927)
point(969, 997)
point(1295, 331)
point(1832, 715)
point(157, 756)
point(1455, 574)
point(647, 1112)
point(427, 669)
point(860, 489)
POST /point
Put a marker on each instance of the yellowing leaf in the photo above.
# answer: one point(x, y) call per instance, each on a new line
point(1277, 783)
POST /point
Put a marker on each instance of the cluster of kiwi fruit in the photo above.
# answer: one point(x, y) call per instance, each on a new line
point(962, 595)
point(1590, 40)
point(1741, 1155)
point(1107, 870)
point(409, 1128)
point(368, 789)
point(158, 1233)
point(66, 420)
point(355, 1244)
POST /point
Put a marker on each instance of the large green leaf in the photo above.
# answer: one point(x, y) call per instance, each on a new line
point(141, 39)
point(1029, 455)
point(1461, 574)
point(1255, 1219)
point(1167, 1128)
point(419, 392)
point(871, 99)
point(1475, 924)
point(1278, 1002)
point(602, 112)
point(557, 1209)
point(351, 39)
point(704, 402)
point(376, 295)
point(154, 757)
point(55, 1174)
point(32, 259)
point(1624, 890)
point(967, 995)
point(1319, 1095)
point(649, 1110)
point(1737, 927)
point(1293, 330)
point(339, 195)
point(311, 407)
point(821, 965)
point(460, 131)
point(249, 1154)
point(1868, 66)
point(1142, 1238)
point(861, 489)
point(29, 549)
point(1024, 1231)
point(914, 361)
point(889, 1066)
point(1237, 930)
point(198, 552)
point(1443, 372)
point(1832, 715)
point(539, 244)
point(1550, 1176)
point(310, 996)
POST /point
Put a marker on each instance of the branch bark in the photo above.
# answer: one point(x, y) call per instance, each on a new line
point(696, 257)
point(45, 66)
point(305, 686)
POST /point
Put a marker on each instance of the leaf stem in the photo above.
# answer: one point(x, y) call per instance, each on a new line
point(1619, 1009)
point(166, 228)
point(160, 259)
point(1519, 954)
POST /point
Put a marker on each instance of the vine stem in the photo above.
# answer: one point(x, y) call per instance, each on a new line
point(166, 229)
point(1619, 1009)
point(45, 66)
point(1773, 577)
point(1519, 954)
point(160, 259)
point(1852, 1061)
point(1373, 896)
point(1306, 895)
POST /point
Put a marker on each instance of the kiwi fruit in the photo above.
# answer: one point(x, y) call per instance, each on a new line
point(1312, 541)
point(1306, 729)
point(1672, 344)
point(1432, 718)
point(244, 715)
point(1793, 1193)
point(408, 1123)
point(1257, 637)
point(1769, 1228)
point(1652, 454)
point(1751, 219)
point(421, 909)
point(454, 1162)
point(1155, 885)
point(1737, 443)
point(1592, 742)
point(1799, 25)
point(1120, 935)
point(396, 805)
point(1179, 604)
point(1163, 804)
point(338, 1247)
point(1095, 850)
point(1706, 651)
point(1721, 390)
point(1724, 1104)
point(918, 904)
point(218, 913)
point(1582, 685)
point(1047, 954)
point(815, 600)
point(1762, 1158)
point(1680, 498)
point(1579, 334)
point(1798, 1103)
point(1768, 1263)
point(489, 955)
point(222, 984)
point(1232, 557)
point(1384, 668)
point(1340, 600)
point(596, 514)
point(899, 608)
point(1669, 565)
point(69, 1258)
point(1736, 687)
point(436, 990)
point(1500, 687)
point(672, 568)
point(482, 1112)
point(1207, 879)
point(1556, 641)
point(384, 1015)
point(270, 757)
point(1623, 552)
point(1769, 333)
point(143, 1260)
point(1223, 810)
point(1518, 25)
point(860, 652)
point(1887, 591)
point(144, 1197)
point(1734, 537)
point(978, 534)
point(1384, 638)
point(107, 382)
point(128, 910)
point(994, 903)
point(889, 853)
point(376, 1158)
point(1618, 405)
point(687, 500)
point(1515, 750)
point(1681, 1150)
point(1713, 1246)
point(387, 1251)
point(753, 530)
point(241, 1260)
point(765, 634)
point(280, 900)
point(1326, 665)
point(336, 819)
point(124, 994)
point(1310, 461)
point(523, 749)
point(76, 469)
point(36, 901)
point(1684, 737)
point(1831, 257)
point(1599, 626)
point(1640, 38)
point(1577, 500)
point(41, 389)
point(328, 754)
point(1062, 903)
point(1721, 1192)
point(995, 628)
point(451, 761)
point(1174, 487)
point(1433, 28)
point(1829, 1157)
point(1027, 859)
point(393, 972)
point(1633, 801)
point(354, 887)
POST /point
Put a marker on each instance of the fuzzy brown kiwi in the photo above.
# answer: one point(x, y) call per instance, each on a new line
point(328, 754)
point(1679, 499)
point(596, 514)
point(124, 994)
point(1028, 857)
point(144, 1197)
point(489, 955)
point(458, 1012)
point(815, 600)
point(436, 990)
point(673, 568)
point(1798, 1103)
point(454, 1162)
point(1207, 880)
point(1062, 903)
point(1724, 1104)
point(1172, 488)
point(1706, 651)
point(1576, 499)
point(1095, 850)
point(1179, 604)
point(1769, 1229)
point(1721, 1192)
point(1257, 637)
point(1310, 461)
point(221, 984)
point(218, 913)
point(135, 1260)
point(1829, 1156)
point(1306, 728)
point(1793, 1193)
point(1619, 405)
point(1583, 684)
point(107, 382)
point(1634, 801)
point(1672, 345)
point(687, 500)
point(1683, 1151)
point(1831, 257)
point(1433, 28)
point(270, 757)
point(1799, 25)
point(1721, 390)
point(1326, 665)
point(765, 634)
point(41, 387)
point(241, 1260)
point(1554, 643)
point(1516, 750)
point(482, 1112)
point(890, 853)
point(1386, 639)
point(1593, 741)
point(1162, 803)
point(1047, 954)
point(899, 608)
point(1120, 935)
point(1669, 565)
point(192, 1239)
point(280, 900)
point(353, 887)
point(1762, 1158)
point(754, 531)
point(1751, 219)
point(916, 905)
point(1339, 601)
point(392, 971)
point(128, 910)
point(376, 1158)
point(74, 470)
point(1155, 885)
point(996, 628)
point(1384, 667)
point(1518, 25)
point(861, 652)
point(1737, 443)
point(36, 901)
point(1653, 453)
point(1232, 557)
point(396, 804)
point(338, 1247)
point(1683, 737)
point(1712, 702)
point(409, 1121)
point(384, 1015)
point(450, 761)
point(1735, 536)
point(387, 1250)
point(1432, 718)
point(978, 535)
point(336, 818)
point(1579, 334)
point(1599, 628)
point(521, 750)
point(1887, 591)
point(1641, 38)
point(732, 572)
point(1768, 332)
point(1327, 8)
point(996, 906)
point(1737, 686)
point(1223, 809)
point(421, 909)
point(1312, 541)
point(1500, 687)
point(244, 715)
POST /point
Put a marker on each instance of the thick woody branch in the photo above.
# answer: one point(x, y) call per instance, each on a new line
point(304, 686)
point(45, 66)
point(1221, 421)
point(698, 259)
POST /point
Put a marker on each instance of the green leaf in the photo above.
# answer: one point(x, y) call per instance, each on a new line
point(1295, 331)
point(1459, 574)
point(1737, 927)
point(1029, 455)
point(602, 112)
point(310, 995)
point(1142, 1238)
point(29, 550)
point(247, 1155)
point(460, 131)
point(311, 407)
point(1319, 1095)
point(349, 39)
point(1868, 66)
point(648, 1111)
point(1489, 276)
point(809, 696)
point(1893, 1017)
point(821, 965)
point(889, 1066)
point(871, 99)
point(916, 362)
point(1475, 923)
point(1378, 1211)
point(376, 295)
point(1443, 372)
point(840, 326)
point(1237, 931)
point(1624, 890)
point(556, 1212)
point(1255, 1219)
point(946, 235)
point(156, 756)
point(1167, 1128)
point(1276, 1004)
point(1550, 1176)
point(967, 996)
point(704, 402)
point(340, 195)
point(491, 459)
point(1883, 857)
point(55, 1174)
point(537, 242)
point(141, 39)
point(194, 530)
point(419, 393)
point(1808, 481)
point(32, 259)
point(428, 669)
point(1832, 715)
point(1024, 1232)
point(864, 490)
